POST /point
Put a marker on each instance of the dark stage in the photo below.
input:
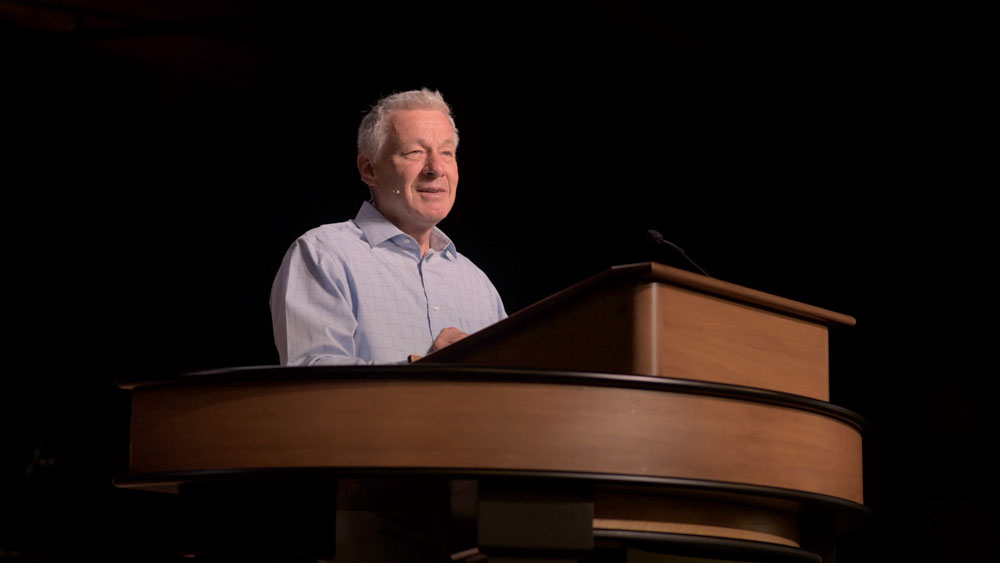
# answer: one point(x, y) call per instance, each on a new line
point(158, 160)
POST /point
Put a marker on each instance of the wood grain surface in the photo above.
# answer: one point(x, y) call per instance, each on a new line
point(650, 319)
point(498, 425)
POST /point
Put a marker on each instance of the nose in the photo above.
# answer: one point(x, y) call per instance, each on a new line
point(433, 166)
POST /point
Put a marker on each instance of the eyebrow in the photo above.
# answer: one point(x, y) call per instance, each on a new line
point(422, 141)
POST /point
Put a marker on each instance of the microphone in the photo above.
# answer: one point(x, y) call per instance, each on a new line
point(655, 236)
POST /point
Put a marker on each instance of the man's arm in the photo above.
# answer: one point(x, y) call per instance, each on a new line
point(312, 313)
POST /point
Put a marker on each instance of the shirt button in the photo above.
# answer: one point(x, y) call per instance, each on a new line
point(435, 307)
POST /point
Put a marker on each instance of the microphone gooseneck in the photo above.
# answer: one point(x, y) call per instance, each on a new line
point(657, 238)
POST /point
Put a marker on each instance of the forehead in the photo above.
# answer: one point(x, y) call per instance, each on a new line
point(420, 124)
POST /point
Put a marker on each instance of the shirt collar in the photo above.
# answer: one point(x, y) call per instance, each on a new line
point(377, 229)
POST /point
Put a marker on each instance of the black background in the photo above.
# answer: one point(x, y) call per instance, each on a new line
point(159, 159)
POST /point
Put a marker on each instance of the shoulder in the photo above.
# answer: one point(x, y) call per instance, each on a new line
point(340, 241)
point(469, 268)
point(464, 261)
point(332, 235)
point(328, 248)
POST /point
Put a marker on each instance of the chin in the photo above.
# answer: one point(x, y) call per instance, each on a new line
point(434, 215)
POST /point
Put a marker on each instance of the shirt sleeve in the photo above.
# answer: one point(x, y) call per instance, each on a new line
point(312, 310)
point(501, 312)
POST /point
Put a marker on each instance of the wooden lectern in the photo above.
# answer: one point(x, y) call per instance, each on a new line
point(646, 407)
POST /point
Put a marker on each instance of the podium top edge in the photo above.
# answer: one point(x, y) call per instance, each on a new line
point(652, 271)
point(636, 274)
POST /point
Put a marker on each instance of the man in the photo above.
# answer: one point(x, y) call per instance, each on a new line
point(389, 286)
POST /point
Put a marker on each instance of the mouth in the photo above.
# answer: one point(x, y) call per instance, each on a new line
point(431, 190)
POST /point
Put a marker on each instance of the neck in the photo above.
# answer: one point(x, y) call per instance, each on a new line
point(420, 232)
point(423, 239)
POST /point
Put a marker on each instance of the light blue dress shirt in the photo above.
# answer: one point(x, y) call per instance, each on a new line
point(359, 292)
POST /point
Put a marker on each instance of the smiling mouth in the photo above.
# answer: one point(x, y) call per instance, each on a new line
point(430, 190)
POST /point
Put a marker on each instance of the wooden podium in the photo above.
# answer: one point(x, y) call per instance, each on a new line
point(646, 407)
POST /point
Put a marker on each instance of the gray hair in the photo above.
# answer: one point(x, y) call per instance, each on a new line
point(373, 133)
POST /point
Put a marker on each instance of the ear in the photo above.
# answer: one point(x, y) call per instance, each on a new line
point(367, 169)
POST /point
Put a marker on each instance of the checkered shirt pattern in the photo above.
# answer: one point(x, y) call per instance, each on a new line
point(359, 292)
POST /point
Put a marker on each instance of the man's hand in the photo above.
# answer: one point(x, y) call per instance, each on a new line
point(447, 337)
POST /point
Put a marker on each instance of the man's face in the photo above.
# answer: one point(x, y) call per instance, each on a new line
point(415, 177)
